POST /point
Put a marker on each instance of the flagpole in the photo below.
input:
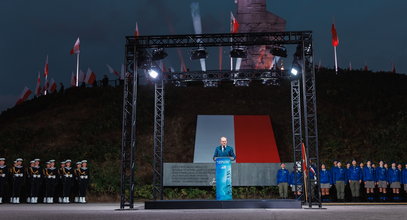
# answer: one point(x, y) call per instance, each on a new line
point(46, 78)
point(336, 61)
point(77, 70)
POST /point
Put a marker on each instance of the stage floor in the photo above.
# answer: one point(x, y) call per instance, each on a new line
point(228, 204)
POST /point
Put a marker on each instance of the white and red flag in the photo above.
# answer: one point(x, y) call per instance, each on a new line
point(111, 70)
point(73, 79)
point(234, 25)
point(46, 86)
point(304, 160)
point(53, 86)
point(24, 95)
point(335, 40)
point(76, 47)
point(90, 77)
point(46, 68)
point(81, 77)
point(38, 87)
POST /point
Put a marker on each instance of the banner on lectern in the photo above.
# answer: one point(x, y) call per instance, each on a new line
point(223, 178)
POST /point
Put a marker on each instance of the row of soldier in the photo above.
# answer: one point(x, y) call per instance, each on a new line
point(377, 182)
point(35, 182)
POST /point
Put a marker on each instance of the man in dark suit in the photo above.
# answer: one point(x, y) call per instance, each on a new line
point(224, 150)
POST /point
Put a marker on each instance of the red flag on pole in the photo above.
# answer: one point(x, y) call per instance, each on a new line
point(304, 159)
point(53, 86)
point(76, 47)
point(46, 67)
point(90, 77)
point(234, 25)
point(335, 40)
point(24, 95)
point(38, 87)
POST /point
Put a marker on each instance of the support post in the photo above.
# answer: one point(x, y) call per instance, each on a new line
point(158, 140)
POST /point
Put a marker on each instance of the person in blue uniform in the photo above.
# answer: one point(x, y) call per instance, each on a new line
point(326, 182)
point(3, 178)
point(296, 181)
point(340, 179)
point(355, 178)
point(224, 150)
point(404, 178)
point(382, 180)
point(394, 181)
point(283, 178)
point(369, 177)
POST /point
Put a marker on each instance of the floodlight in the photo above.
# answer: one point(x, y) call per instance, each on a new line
point(279, 51)
point(153, 73)
point(199, 53)
point(159, 54)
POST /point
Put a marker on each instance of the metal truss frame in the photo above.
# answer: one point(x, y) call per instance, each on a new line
point(304, 115)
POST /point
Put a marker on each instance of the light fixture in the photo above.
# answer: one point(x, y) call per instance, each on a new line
point(199, 53)
point(159, 54)
point(279, 51)
point(238, 52)
point(242, 83)
point(210, 83)
point(153, 73)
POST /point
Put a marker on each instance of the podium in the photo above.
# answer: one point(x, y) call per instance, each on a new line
point(223, 178)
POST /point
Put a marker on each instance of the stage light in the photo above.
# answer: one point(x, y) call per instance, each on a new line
point(294, 71)
point(210, 83)
point(279, 51)
point(153, 73)
point(241, 83)
point(180, 84)
point(199, 53)
point(238, 53)
point(159, 54)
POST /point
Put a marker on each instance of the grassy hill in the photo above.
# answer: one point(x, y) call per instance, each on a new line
point(361, 115)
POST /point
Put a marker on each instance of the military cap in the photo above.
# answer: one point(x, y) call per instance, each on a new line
point(19, 159)
point(2, 159)
point(84, 161)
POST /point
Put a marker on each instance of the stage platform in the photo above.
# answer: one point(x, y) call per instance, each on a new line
point(229, 204)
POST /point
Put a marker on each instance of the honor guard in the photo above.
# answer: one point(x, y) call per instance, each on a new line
point(83, 181)
point(35, 182)
point(29, 180)
point(3, 178)
point(17, 173)
point(60, 188)
point(44, 172)
point(75, 188)
point(51, 178)
point(67, 181)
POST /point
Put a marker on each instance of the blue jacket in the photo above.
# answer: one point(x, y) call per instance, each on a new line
point(339, 174)
point(394, 175)
point(381, 174)
point(283, 176)
point(332, 173)
point(228, 152)
point(369, 174)
point(325, 176)
point(300, 178)
point(354, 173)
point(404, 176)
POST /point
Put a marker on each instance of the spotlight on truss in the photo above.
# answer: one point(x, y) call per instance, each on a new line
point(210, 83)
point(159, 54)
point(241, 83)
point(279, 51)
point(270, 82)
point(238, 52)
point(180, 84)
point(199, 53)
point(153, 73)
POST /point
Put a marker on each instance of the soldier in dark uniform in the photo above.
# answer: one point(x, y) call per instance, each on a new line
point(67, 181)
point(3, 178)
point(29, 179)
point(83, 181)
point(51, 178)
point(34, 174)
point(75, 187)
point(60, 187)
point(17, 173)
point(44, 181)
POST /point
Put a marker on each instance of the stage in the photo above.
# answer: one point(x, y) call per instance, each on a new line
point(225, 204)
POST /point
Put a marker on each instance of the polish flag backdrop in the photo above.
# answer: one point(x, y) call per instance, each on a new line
point(76, 47)
point(251, 136)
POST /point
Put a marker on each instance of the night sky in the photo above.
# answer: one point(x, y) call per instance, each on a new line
point(371, 32)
